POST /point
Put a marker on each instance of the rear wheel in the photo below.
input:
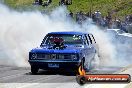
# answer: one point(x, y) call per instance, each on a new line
point(34, 70)
point(86, 67)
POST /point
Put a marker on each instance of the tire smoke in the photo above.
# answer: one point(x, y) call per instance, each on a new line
point(22, 31)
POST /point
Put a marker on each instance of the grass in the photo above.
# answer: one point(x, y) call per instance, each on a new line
point(120, 8)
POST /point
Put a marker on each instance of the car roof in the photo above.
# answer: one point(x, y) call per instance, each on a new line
point(68, 32)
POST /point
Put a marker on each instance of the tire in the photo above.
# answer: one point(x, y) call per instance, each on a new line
point(85, 67)
point(88, 67)
point(34, 70)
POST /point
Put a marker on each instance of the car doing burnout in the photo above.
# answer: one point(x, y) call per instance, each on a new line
point(64, 51)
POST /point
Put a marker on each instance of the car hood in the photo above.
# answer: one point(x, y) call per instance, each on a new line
point(68, 49)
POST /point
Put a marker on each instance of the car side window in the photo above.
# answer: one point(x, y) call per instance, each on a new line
point(44, 40)
point(92, 39)
point(85, 40)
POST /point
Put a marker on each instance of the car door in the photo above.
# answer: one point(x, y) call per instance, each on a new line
point(92, 45)
point(84, 51)
point(88, 50)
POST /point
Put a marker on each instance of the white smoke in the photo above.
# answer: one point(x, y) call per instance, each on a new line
point(111, 49)
point(22, 31)
point(107, 50)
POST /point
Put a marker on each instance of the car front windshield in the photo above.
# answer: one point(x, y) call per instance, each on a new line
point(65, 38)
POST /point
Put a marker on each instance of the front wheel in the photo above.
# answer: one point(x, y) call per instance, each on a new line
point(34, 70)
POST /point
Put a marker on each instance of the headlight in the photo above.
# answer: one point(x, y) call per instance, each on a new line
point(74, 57)
point(34, 56)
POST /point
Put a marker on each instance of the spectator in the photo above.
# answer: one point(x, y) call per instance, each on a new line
point(46, 3)
point(130, 18)
point(68, 2)
point(38, 2)
point(49, 1)
point(127, 18)
point(93, 17)
point(65, 2)
point(71, 14)
point(80, 15)
point(114, 24)
point(123, 26)
point(77, 17)
point(118, 24)
point(109, 20)
point(98, 16)
point(103, 22)
point(88, 14)
point(62, 2)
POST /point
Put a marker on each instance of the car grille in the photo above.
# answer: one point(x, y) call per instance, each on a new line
point(54, 56)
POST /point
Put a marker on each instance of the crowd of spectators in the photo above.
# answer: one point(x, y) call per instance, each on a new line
point(97, 17)
point(43, 3)
point(104, 21)
point(47, 2)
point(65, 2)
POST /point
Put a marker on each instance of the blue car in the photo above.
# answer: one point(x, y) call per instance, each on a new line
point(64, 51)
